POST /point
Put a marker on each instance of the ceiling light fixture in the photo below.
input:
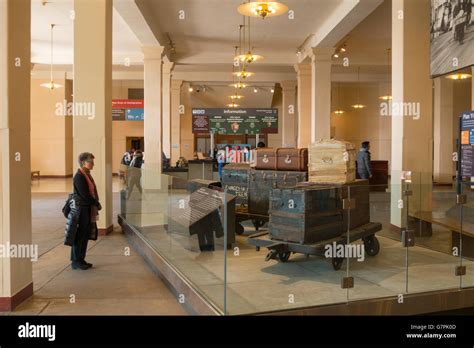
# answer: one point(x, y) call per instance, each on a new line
point(249, 57)
point(338, 110)
point(239, 85)
point(388, 95)
point(459, 76)
point(51, 84)
point(255, 90)
point(233, 105)
point(243, 74)
point(262, 9)
point(191, 89)
point(272, 90)
point(358, 105)
point(236, 96)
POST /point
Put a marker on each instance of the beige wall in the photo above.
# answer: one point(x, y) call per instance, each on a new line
point(51, 135)
point(357, 126)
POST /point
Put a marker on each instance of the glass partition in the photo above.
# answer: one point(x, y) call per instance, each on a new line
point(319, 244)
point(184, 222)
point(377, 257)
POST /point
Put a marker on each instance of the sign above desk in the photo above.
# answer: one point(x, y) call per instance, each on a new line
point(235, 121)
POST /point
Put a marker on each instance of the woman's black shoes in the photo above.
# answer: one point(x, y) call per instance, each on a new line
point(79, 265)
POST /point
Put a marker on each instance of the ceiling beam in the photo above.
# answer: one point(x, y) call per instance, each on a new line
point(134, 14)
point(343, 20)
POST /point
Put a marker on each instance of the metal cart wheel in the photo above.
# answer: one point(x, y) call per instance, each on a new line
point(284, 256)
point(258, 223)
point(239, 229)
point(371, 245)
point(337, 263)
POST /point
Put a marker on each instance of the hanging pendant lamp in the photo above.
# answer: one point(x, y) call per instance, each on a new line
point(338, 110)
point(262, 9)
point(51, 84)
point(387, 96)
point(358, 105)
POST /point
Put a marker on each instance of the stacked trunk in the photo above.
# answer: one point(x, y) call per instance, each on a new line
point(263, 181)
point(310, 213)
point(332, 161)
point(235, 180)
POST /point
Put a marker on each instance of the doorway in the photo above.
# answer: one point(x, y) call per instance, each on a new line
point(137, 143)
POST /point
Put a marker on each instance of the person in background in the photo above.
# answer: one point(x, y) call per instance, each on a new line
point(85, 188)
point(127, 157)
point(363, 161)
point(135, 173)
point(221, 159)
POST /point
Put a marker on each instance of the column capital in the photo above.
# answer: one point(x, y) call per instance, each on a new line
point(303, 69)
point(176, 84)
point(288, 85)
point(153, 52)
point(321, 54)
point(167, 67)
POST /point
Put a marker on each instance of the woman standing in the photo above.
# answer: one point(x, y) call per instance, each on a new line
point(85, 187)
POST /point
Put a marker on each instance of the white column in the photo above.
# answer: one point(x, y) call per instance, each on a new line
point(93, 86)
point(321, 62)
point(289, 116)
point(16, 283)
point(153, 73)
point(412, 140)
point(175, 120)
point(304, 104)
point(167, 67)
point(443, 166)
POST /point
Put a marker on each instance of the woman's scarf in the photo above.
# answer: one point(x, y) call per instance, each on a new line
point(92, 191)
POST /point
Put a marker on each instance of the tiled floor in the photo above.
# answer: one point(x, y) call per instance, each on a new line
point(118, 284)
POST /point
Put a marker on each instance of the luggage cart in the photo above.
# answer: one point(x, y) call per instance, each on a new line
point(242, 214)
point(281, 250)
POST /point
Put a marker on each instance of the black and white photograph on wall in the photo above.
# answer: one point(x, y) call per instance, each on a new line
point(452, 35)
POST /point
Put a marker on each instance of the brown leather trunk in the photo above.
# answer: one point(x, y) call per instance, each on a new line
point(292, 159)
point(266, 159)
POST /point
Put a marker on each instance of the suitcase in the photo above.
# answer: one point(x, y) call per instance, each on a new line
point(331, 161)
point(266, 159)
point(235, 179)
point(359, 190)
point(292, 159)
point(262, 181)
point(196, 184)
point(305, 215)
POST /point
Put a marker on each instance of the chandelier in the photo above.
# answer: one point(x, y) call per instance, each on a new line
point(51, 84)
point(248, 57)
point(262, 9)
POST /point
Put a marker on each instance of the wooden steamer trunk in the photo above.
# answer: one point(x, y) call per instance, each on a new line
point(263, 181)
point(331, 161)
point(305, 215)
point(310, 213)
point(266, 159)
point(292, 159)
point(235, 179)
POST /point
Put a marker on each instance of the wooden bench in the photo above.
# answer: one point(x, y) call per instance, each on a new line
point(35, 173)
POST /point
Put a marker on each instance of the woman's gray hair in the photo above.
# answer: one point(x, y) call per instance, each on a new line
point(85, 156)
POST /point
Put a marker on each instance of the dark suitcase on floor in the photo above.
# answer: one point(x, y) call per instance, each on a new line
point(266, 159)
point(262, 181)
point(292, 159)
point(359, 190)
point(235, 179)
point(305, 215)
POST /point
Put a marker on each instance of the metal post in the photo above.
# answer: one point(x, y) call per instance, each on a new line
point(225, 252)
